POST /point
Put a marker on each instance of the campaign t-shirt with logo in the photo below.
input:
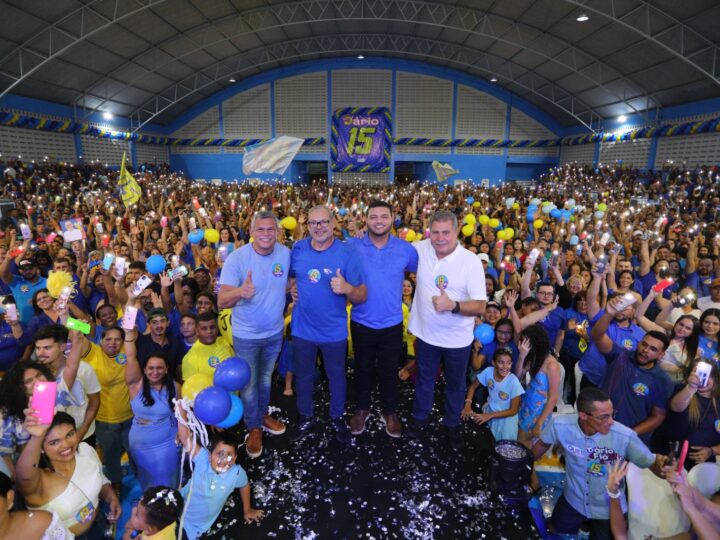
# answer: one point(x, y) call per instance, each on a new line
point(588, 458)
point(500, 396)
point(634, 391)
point(205, 358)
point(23, 291)
point(262, 315)
point(114, 392)
point(320, 314)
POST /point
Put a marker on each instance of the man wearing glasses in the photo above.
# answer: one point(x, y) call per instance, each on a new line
point(328, 274)
point(377, 324)
point(450, 293)
point(253, 283)
point(634, 380)
point(592, 441)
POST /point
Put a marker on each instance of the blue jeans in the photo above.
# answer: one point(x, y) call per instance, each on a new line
point(113, 439)
point(334, 354)
point(261, 355)
point(455, 364)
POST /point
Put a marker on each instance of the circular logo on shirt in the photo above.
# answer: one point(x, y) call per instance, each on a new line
point(213, 361)
point(278, 270)
point(121, 359)
point(640, 389)
point(441, 282)
point(314, 275)
point(24, 288)
point(628, 344)
point(503, 395)
point(491, 384)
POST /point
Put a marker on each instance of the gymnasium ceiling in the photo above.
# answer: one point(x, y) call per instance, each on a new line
point(150, 60)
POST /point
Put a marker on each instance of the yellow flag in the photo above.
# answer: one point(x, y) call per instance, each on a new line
point(129, 188)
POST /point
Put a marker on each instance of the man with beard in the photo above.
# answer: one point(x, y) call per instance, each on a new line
point(376, 325)
point(328, 274)
point(24, 285)
point(635, 382)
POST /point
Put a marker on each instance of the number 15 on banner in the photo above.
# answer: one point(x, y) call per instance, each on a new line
point(360, 141)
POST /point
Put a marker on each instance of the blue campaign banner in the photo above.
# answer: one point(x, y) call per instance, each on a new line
point(361, 138)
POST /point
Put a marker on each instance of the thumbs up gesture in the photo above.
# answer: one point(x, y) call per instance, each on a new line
point(338, 283)
point(247, 290)
point(443, 302)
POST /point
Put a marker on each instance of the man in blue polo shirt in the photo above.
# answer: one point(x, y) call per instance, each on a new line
point(253, 283)
point(376, 324)
point(328, 274)
point(592, 442)
point(637, 385)
point(24, 285)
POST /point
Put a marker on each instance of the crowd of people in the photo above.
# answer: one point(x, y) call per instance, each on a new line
point(581, 313)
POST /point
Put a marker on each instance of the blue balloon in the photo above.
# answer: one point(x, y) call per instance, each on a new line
point(484, 333)
point(343, 211)
point(532, 209)
point(155, 264)
point(235, 414)
point(232, 374)
point(441, 189)
point(599, 214)
point(212, 405)
point(398, 221)
point(499, 226)
point(469, 200)
point(196, 236)
point(574, 240)
point(555, 214)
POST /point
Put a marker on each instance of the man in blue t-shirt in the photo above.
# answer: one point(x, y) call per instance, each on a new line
point(24, 285)
point(377, 324)
point(638, 386)
point(328, 274)
point(253, 283)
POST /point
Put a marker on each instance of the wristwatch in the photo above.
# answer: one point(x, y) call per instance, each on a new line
point(456, 309)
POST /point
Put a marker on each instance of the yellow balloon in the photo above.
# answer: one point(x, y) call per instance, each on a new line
point(538, 223)
point(501, 235)
point(509, 233)
point(212, 236)
point(288, 223)
point(494, 222)
point(470, 219)
point(516, 206)
point(410, 235)
point(468, 229)
point(483, 220)
point(476, 204)
point(196, 384)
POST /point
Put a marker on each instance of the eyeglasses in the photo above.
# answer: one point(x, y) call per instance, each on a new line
point(319, 223)
point(603, 417)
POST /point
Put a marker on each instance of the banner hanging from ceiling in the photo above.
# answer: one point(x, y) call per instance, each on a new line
point(361, 139)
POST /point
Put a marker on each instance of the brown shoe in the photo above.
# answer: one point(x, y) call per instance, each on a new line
point(357, 422)
point(272, 426)
point(393, 427)
point(253, 443)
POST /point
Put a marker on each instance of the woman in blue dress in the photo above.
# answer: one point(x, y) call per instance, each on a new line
point(709, 331)
point(153, 433)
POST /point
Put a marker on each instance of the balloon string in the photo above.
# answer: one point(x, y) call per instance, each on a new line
point(197, 430)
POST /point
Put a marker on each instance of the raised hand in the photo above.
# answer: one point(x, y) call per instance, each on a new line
point(338, 283)
point(443, 302)
point(247, 290)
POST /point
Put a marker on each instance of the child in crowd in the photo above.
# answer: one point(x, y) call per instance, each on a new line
point(504, 392)
point(156, 515)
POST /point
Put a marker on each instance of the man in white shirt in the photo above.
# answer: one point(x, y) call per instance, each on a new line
point(450, 293)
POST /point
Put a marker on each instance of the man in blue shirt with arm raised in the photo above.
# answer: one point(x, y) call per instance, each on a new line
point(328, 274)
point(253, 283)
point(377, 324)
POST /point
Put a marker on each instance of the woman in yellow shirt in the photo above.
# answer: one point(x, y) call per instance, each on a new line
point(114, 418)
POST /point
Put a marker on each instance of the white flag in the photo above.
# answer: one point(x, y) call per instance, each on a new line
point(273, 156)
point(443, 171)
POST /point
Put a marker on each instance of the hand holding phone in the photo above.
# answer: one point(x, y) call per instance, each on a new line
point(43, 400)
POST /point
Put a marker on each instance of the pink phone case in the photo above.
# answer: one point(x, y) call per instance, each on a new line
point(683, 455)
point(43, 400)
